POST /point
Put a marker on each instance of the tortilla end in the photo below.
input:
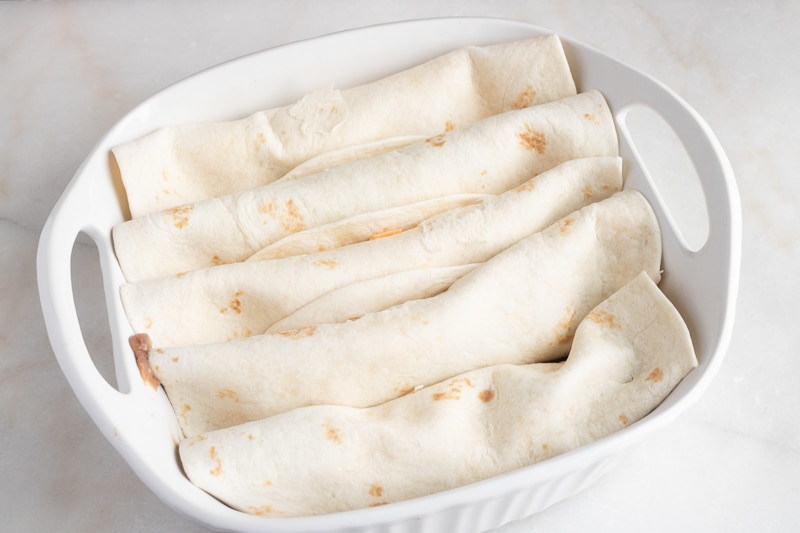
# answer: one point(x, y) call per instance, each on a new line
point(141, 346)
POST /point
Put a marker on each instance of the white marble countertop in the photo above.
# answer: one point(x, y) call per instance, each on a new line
point(70, 70)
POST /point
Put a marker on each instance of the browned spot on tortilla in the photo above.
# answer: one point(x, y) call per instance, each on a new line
point(228, 394)
point(212, 454)
point(378, 504)
point(375, 490)
point(159, 350)
point(655, 376)
point(292, 220)
point(267, 208)
point(385, 233)
point(436, 140)
point(198, 438)
point(588, 191)
point(449, 126)
point(260, 139)
point(297, 333)
point(527, 186)
point(484, 172)
point(234, 305)
point(180, 274)
point(332, 433)
point(604, 318)
point(454, 390)
point(405, 389)
point(185, 411)
point(261, 510)
point(533, 140)
point(141, 346)
point(623, 419)
point(591, 118)
point(330, 263)
point(486, 395)
point(446, 395)
point(545, 448)
point(217, 260)
point(173, 359)
point(565, 224)
point(525, 98)
point(240, 334)
point(563, 330)
point(165, 191)
point(268, 483)
point(180, 215)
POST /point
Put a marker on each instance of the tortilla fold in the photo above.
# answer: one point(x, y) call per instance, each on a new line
point(243, 299)
point(357, 299)
point(338, 157)
point(521, 306)
point(363, 227)
point(628, 354)
point(487, 157)
point(182, 164)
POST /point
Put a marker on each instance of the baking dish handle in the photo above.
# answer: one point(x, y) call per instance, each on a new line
point(76, 214)
point(710, 281)
point(703, 149)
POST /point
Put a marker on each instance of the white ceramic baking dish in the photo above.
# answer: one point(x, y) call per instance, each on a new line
point(139, 421)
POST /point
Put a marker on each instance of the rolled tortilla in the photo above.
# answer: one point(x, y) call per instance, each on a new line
point(521, 306)
point(243, 299)
point(183, 164)
point(628, 354)
point(364, 227)
point(357, 299)
point(335, 158)
point(487, 157)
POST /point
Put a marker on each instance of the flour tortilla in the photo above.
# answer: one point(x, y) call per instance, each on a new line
point(628, 354)
point(335, 158)
point(487, 157)
point(184, 164)
point(244, 299)
point(521, 306)
point(364, 227)
point(357, 299)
